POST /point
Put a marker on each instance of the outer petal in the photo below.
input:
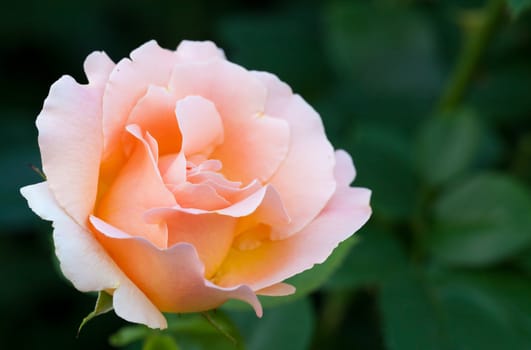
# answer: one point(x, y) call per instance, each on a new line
point(277, 290)
point(309, 163)
point(97, 67)
point(85, 263)
point(239, 98)
point(195, 51)
point(344, 171)
point(137, 188)
point(171, 278)
point(274, 261)
point(235, 93)
point(70, 134)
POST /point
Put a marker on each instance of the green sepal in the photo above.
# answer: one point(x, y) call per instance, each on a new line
point(103, 305)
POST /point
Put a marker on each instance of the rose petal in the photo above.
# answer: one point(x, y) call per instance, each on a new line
point(155, 113)
point(279, 93)
point(98, 66)
point(70, 133)
point(274, 261)
point(277, 290)
point(344, 171)
point(137, 188)
point(173, 168)
point(200, 196)
point(254, 148)
point(196, 51)
point(245, 207)
point(127, 83)
point(85, 263)
point(200, 125)
point(271, 212)
point(239, 99)
point(235, 93)
point(210, 234)
point(171, 278)
point(309, 163)
point(220, 183)
point(132, 305)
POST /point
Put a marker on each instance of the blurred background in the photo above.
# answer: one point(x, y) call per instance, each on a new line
point(431, 98)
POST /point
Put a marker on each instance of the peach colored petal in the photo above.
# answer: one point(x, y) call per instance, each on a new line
point(227, 190)
point(155, 113)
point(239, 99)
point(200, 125)
point(137, 188)
point(85, 263)
point(70, 142)
point(254, 148)
point(309, 163)
point(274, 261)
point(210, 165)
point(200, 196)
point(131, 304)
point(245, 207)
point(127, 83)
point(196, 51)
point(271, 211)
point(235, 93)
point(173, 168)
point(219, 182)
point(277, 290)
point(210, 234)
point(171, 278)
point(279, 93)
point(98, 66)
point(344, 171)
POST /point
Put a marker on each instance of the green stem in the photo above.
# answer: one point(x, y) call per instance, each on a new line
point(470, 56)
point(219, 328)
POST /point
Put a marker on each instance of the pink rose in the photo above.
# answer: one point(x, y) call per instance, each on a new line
point(177, 180)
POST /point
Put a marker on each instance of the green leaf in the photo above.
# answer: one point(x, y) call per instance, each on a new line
point(455, 311)
point(103, 305)
point(497, 305)
point(287, 327)
point(160, 342)
point(380, 151)
point(193, 331)
point(411, 319)
point(376, 47)
point(481, 221)
point(447, 146)
point(517, 7)
point(502, 95)
point(196, 331)
point(129, 334)
point(524, 261)
point(377, 257)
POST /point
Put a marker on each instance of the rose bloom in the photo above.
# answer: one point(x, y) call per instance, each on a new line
point(176, 180)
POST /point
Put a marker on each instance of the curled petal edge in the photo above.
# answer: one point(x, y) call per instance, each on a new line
point(84, 262)
point(177, 284)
